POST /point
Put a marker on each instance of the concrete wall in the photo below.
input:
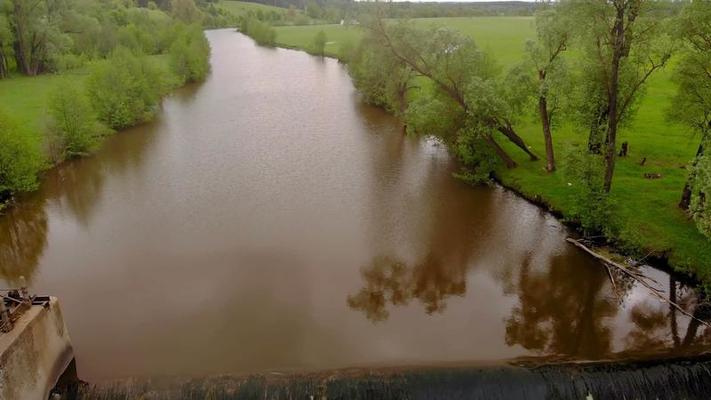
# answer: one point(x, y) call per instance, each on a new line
point(34, 354)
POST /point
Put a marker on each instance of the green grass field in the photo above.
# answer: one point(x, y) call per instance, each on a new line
point(25, 98)
point(239, 8)
point(646, 208)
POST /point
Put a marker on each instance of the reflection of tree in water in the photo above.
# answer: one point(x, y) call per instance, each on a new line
point(388, 281)
point(658, 325)
point(23, 237)
point(561, 311)
point(76, 187)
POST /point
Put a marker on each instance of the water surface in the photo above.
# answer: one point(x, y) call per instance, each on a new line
point(269, 220)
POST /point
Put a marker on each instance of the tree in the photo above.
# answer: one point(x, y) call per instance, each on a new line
point(261, 32)
point(189, 55)
point(457, 69)
point(20, 158)
point(382, 79)
point(36, 26)
point(701, 191)
point(73, 122)
point(125, 89)
point(6, 41)
point(554, 32)
point(624, 44)
point(313, 10)
point(318, 45)
point(691, 105)
point(185, 11)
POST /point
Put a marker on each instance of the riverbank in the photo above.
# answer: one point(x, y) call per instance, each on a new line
point(27, 102)
point(650, 225)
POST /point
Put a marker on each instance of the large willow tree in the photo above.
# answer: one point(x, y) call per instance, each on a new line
point(468, 104)
point(623, 43)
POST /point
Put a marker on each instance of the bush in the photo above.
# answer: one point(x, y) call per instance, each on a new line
point(125, 89)
point(20, 158)
point(189, 56)
point(73, 124)
point(318, 46)
point(590, 204)
point(346, 50)
point(261, 32)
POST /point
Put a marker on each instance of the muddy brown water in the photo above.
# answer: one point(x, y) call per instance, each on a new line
point(269, 220)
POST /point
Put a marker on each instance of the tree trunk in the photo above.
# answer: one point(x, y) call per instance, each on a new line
point(686, 193)
point(597, 136)
point(503, 155)
point(509, 132)
point(3, 64)
point(612, 95)
point(546, 122)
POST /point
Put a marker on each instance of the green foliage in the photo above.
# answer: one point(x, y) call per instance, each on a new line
point(434, 116)
point(185, 11)
point(6, 45)
point(20, 158)
point(189, 55)
point(700, 208)
point(381, 78)
point(319, 43)
point(346, 50)
point(313, 10)
point(73, 124)
point(476, 156)
point(261, 32)
point(125, 89)
point(590, 204)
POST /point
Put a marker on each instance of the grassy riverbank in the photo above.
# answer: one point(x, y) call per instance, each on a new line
point(645, 209)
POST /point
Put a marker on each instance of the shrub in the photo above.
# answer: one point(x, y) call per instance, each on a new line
point(189, 55)
point(346, 50)
point(20, 158)
point(318, 46)
point(125, 89)
point(261, 32)
point(590, 204)
point(73, 123)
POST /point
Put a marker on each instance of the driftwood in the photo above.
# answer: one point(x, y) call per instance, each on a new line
point(609, 263)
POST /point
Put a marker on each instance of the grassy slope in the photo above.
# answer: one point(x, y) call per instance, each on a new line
point(647, 208)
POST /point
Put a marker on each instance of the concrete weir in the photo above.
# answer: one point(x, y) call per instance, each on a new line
point(35, 349)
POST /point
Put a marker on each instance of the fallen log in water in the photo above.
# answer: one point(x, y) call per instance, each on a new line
point(609, 263)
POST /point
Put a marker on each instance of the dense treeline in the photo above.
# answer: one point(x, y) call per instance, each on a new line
point(131, 56)
point(408, 9)
point(441, 83)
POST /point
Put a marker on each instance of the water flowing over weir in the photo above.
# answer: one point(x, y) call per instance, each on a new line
point(268, 220)
point(668, 379)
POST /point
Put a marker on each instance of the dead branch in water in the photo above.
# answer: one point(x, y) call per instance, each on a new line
point(637, 277)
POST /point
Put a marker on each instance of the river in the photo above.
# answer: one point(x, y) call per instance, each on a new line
point(269, 220)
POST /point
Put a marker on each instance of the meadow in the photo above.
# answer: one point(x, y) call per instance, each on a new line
point(240, 8)
point(645, 209)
